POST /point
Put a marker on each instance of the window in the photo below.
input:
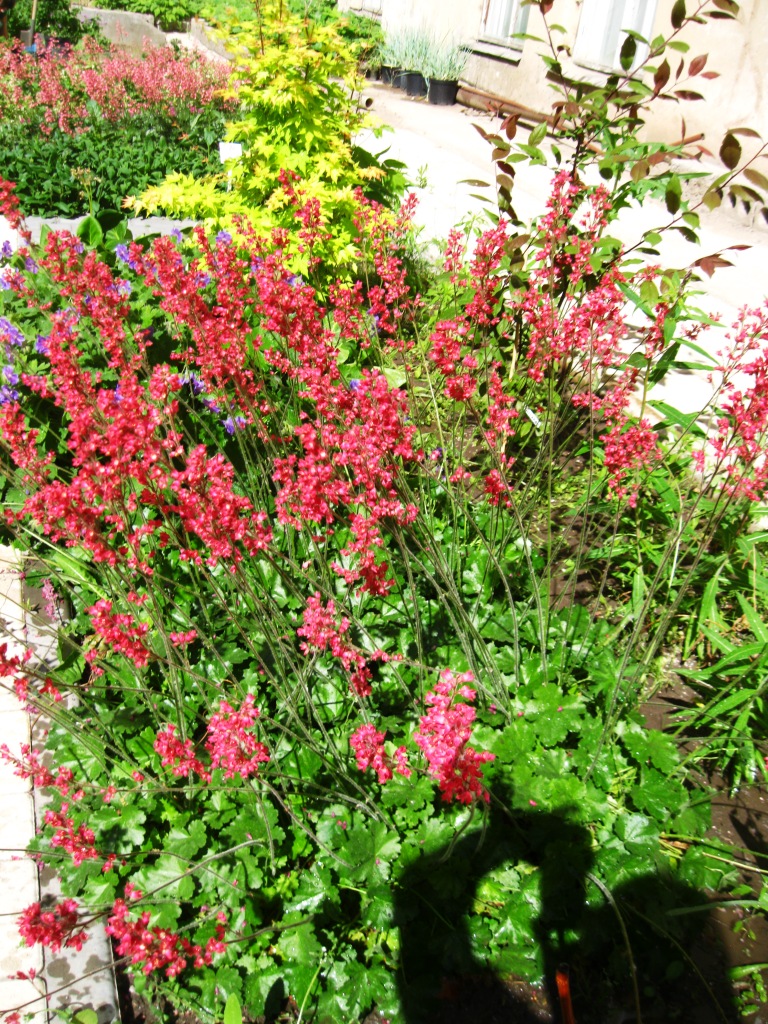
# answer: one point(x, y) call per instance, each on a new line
point(602, 30)
point(502, 19)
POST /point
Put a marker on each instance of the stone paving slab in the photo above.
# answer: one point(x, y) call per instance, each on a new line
point(72, 979)
point(24, 994)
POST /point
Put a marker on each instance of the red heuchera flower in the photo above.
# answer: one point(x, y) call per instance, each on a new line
point(230, 744)
point(157, 948)
point(28, 766)
point(121, 632)
point(324, 633)
point(121, 83)
point(9, 208)
point(628, 451)
point(740, 444)
point(443, 736)
point(78, 841)
point(179, 755)
point(368, 745)
point(53, 928)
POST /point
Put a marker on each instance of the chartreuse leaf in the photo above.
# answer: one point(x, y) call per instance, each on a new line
point(638, 832)
point(661, 797)
point(86, 1016)
point(347, 994)
point(233, 1011)
point(164, 883)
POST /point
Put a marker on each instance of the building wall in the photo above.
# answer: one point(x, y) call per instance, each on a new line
point(738, 50)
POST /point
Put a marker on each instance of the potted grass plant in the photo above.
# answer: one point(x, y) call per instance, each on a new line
point(418, 43)
point(443, 67)
point(388, 61)
point(406, 51)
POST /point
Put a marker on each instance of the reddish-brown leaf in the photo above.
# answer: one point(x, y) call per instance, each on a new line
point(661, 77)
point(509, 125)
point(698, 64)
point(710, 74)
point(747, 133)
point(688, 94)
point(709, 264)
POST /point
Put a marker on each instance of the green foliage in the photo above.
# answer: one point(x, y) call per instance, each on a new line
point(61, 174)
point(53, 17)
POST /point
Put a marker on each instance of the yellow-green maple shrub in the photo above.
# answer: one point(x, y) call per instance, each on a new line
point(297, 86)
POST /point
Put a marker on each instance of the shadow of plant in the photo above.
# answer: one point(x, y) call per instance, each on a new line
point(647, 951)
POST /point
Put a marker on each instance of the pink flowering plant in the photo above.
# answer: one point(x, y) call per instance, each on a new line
point(82, 129)
point(366, 581)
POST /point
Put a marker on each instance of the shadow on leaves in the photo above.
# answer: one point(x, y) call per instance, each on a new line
point(521, 890)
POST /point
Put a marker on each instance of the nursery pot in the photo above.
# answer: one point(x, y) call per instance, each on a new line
point(373, 74)
point(415, 84)
point(442, 93)
point(399, 78)
point(388, 73)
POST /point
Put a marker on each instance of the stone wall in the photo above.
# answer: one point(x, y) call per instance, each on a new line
point(125, 28)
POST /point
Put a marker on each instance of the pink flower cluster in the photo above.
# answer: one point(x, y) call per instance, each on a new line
point(324, 633)
point(52, 928)
point(230, 744)
point(79, 841)
point(179, 755)
point(121, 632)
point(121, 84)
point(443, 737)
point(28, 766)
point(368, 745)
point(742, 430)
point(159, 949)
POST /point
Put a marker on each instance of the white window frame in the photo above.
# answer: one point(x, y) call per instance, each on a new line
point(502, 20)
point(602, 31)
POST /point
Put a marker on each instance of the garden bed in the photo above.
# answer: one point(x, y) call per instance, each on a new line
point(83, 129)
point(374, 566)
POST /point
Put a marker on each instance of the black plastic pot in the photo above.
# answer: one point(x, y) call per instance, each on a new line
point(387, 73)
point(416, 84)
point(373, 74)
point(400, 78)
point(441, 93)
